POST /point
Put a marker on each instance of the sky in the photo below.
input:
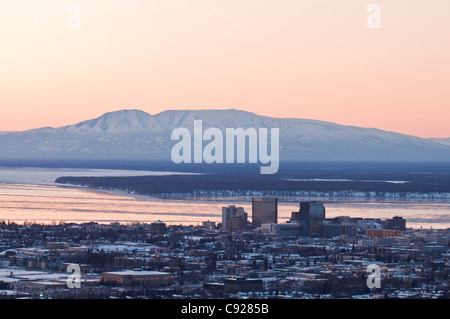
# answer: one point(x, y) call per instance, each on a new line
point(312, 59)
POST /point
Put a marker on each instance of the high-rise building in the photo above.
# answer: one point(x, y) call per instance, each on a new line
point(234, 218)
point(316, 212)
point(264, 210)
point(209, 224)
point(238, 223)
point(396, 223)
point(157, 227)
point(311, 217)
point(331, 229)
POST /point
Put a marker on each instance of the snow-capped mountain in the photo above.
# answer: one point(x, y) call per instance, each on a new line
point(134, 134)
point(445, 141)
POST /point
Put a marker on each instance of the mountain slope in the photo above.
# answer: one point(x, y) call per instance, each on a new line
point(445, 141)
point(134, 134)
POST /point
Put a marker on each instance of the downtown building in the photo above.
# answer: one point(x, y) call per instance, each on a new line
point(396, 223)
point(234, 219)
point(126, 278)
point(264, 211)
point(311, 217)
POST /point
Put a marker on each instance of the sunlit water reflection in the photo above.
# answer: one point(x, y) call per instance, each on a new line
point(53, 204)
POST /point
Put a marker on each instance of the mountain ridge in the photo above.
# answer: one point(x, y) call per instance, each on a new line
point(135, 134)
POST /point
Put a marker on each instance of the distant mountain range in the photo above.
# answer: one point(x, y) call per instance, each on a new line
point(137, 135)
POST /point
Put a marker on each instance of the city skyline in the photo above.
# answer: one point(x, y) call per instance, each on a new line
point(298, 59)
point(224, 156)
point(208, 262)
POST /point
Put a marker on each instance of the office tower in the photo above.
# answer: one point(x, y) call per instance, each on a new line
point(209, 224)
point(331, 229)
point(264, 210)
point(238, 223)
point(234, 218)
point(311, 217)
point(157, 227)
point(396, 223)
point(316, 213)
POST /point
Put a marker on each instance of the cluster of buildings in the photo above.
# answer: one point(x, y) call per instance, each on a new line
point(310, 256)
point(308, 221)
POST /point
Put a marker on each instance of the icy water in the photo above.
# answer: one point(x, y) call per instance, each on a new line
point(52, 204)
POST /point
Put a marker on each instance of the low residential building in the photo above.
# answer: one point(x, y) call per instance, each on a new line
point(382, 232)
point(240, 284)
point(151, 279)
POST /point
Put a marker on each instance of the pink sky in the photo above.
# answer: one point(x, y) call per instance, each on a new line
point(281, 58)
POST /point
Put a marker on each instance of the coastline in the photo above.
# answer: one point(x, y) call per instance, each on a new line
point(422, 211)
